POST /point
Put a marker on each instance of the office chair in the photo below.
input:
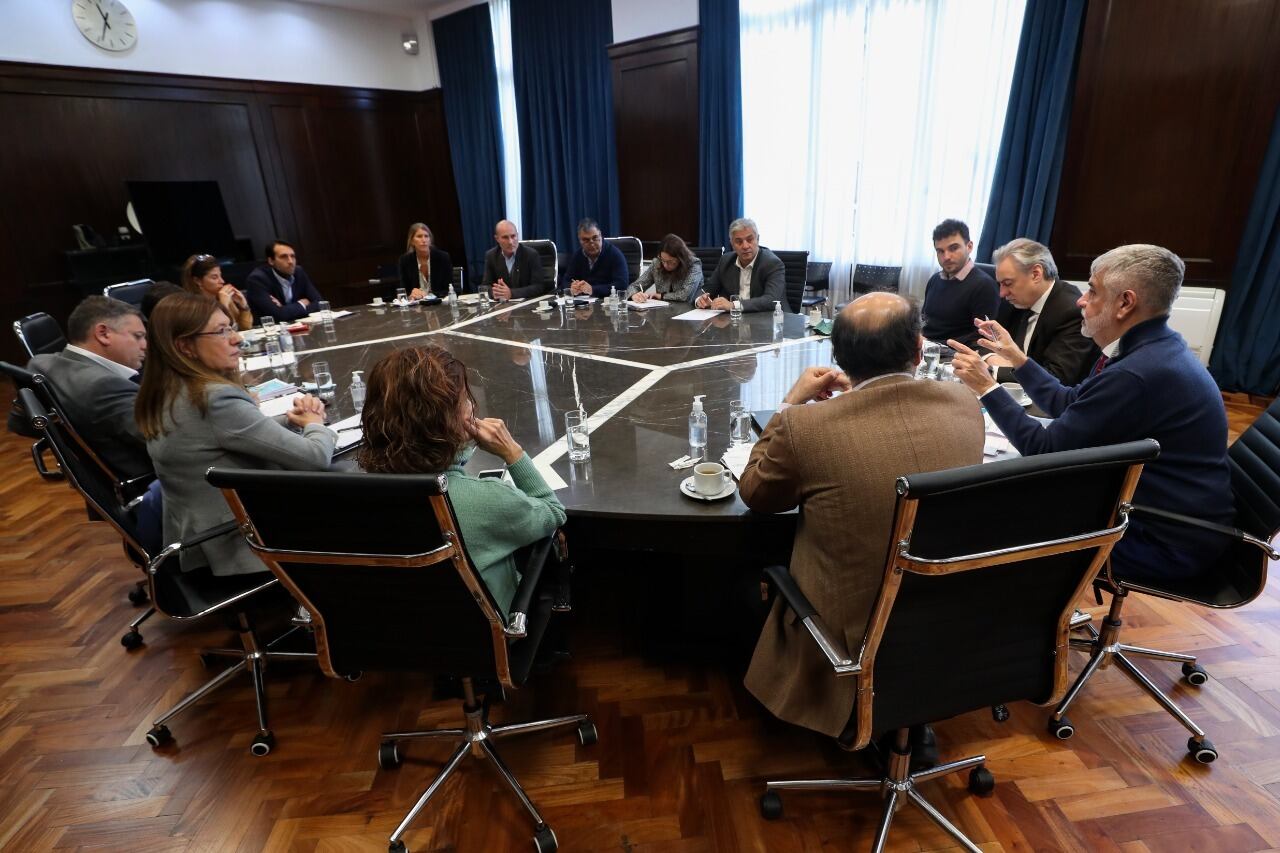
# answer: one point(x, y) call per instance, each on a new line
point(129, 291)
point(796, 266)
point(1235, 579)
point(817, 280)
point(546, 250)
point(459, 280)
point(39, 334)
point(869, 277)
point(710, 257)
point(948, 565)
point(389, 586)
point(20, 421)
point(989, 269)
point(239, 271)
point(632, 251)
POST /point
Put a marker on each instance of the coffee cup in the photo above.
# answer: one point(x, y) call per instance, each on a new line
point(1015, 391)
point(710, 478)
point(377, 300)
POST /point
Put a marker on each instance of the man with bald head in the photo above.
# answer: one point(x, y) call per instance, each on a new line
point(837, 457)
point(513, 271)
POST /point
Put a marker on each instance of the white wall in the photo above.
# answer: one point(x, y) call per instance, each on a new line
point(633, 19)
point(274, 40)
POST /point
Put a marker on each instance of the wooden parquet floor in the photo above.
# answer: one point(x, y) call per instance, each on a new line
point(682, 753)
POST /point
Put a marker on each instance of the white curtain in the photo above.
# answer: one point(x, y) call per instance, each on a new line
point(500, 20)
point(868, 122)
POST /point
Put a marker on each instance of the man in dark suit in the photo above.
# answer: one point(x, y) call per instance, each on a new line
point(597, 268)
point(750, 273)
point(95, 379)
point(1040, 313)
point(513, 271)
point(1153, 387)
point(961, 291)
point(280, 288)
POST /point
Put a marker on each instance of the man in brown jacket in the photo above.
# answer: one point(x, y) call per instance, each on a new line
point(838, 460)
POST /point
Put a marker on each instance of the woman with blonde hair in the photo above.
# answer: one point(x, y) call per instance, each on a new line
point(195, 414)
point(424, 268)
point(202, 274)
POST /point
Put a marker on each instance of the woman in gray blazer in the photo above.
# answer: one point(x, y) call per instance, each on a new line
point(194, 413)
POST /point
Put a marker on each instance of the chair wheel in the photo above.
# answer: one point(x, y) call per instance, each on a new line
point(981, 782)
point(1061, 729)
point(770, 805)
point(1194, 673)
point(1202, 751)
point(138, 596)
point(587, 733)
point(544, 840)
point(389, 755)
point(1000, 713)
point(353, 676)
point(131, 640)
point(397, 847)
point(159, 736)
point(263, 744)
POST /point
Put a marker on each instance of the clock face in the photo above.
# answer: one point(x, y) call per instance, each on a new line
point(106, 23)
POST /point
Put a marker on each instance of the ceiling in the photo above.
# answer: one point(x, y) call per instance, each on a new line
point(391, 7)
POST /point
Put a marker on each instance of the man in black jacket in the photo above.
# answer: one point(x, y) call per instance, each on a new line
point(280, 288)
point(512, 271)
point(750, 273)
point(1040, 313)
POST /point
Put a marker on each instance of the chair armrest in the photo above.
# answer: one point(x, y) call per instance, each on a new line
point(1200, 524)
point(517, 621)
point(831, 646)
point(203, 536)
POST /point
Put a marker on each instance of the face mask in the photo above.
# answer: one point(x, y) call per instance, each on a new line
point(464, 455)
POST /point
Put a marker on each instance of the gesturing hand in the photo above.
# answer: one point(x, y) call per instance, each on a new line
point(493, 437)
point(998, 340)
point(817, 383)
point(971, 369)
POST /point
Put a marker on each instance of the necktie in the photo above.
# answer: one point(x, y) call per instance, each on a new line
point(1102, 362)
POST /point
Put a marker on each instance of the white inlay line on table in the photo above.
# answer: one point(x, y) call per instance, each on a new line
point(407, 335)
point(544, 348)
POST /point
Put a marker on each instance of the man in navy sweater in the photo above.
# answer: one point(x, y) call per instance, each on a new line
point(961, 291)
point(597, 267)
point(280, 288)
point(1153, 387)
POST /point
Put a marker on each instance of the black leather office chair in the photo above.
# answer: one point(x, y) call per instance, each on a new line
point(710, 258)
point(632, 251)
point(239, 271)
point(1237, 578)
point(389, 586)
point(546, 250)
point(817, 280)
point(20, 422)
point(796, 265)
point(129, 291)
point(459, 280)
point(948, 569)
point(869, 277)
point(989, 269)
point(39, 334)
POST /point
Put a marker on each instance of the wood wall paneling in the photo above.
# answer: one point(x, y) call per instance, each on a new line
point(655, 108)
point(1173, 108)
point(341, 172)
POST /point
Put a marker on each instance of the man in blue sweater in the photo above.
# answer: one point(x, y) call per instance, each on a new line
point(1153, 387)
point(961, 291)
point(597, 267)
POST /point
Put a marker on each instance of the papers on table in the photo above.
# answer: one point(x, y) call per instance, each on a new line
point(260, 362)
point(275, 407)
point(252, 335)
point(349, 433)
point(735, 459)
point(273, 388)
point(312, 319)
point(698, 314)
point(647, 304)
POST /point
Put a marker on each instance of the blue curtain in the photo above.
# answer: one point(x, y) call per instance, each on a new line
point(719, 120)
point(564, 98)
point(1024, 190)
point(469, 81)
point(1247, 354)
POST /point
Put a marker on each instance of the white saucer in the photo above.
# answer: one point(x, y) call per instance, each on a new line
point(687, 489)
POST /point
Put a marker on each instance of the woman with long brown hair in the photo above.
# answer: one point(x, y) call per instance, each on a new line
point(674, 274)
point(195, 414)
point(202, 274)
point(423, 267)
point(419, 418)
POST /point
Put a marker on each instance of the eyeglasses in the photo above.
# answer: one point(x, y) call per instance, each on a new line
point(223, 332)
point(202, 258)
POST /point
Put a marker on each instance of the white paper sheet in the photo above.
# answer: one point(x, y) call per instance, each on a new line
point(348, 430)
point(736, 458)
point(277, 406)
point(312, 319)
point(261, 362)
point(698, 314)
point(646, 305)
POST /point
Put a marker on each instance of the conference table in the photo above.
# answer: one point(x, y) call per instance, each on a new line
point(634, 373)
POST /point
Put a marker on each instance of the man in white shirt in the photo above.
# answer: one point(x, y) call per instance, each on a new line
point(750, 273)
point(1040, 313)
point(95, 379)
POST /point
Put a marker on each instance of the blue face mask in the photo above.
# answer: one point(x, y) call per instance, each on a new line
point(465, 454)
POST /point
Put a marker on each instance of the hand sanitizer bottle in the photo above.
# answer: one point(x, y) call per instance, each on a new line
point(451, 298)
point(777, 315)
point(697, 428)
point(357, 390)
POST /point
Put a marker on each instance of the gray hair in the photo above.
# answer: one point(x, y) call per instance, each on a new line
point(1153, 272)
point(93, 310)
point(1026, 254)
point(743, 224)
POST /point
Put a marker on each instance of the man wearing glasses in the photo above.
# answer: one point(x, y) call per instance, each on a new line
point(596, 268)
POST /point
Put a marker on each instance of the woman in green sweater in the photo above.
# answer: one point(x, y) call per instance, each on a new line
point(419, 418)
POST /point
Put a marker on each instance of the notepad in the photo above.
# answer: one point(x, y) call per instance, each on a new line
point(645, 306)
point(349, 433)
point(698, 314)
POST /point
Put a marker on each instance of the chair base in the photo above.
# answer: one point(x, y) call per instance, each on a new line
point(253, 658)
point(1104, 648)
point(897, 786)
point(477, 739)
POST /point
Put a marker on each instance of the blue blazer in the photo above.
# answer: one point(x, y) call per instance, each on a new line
point(610, 271)
point(261, 285)
point(1153, 388)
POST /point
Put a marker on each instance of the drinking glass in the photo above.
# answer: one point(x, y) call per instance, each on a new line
point(402, 296)
point(271, 345)
point(929, 361)
point(323, 378)
point(325, 313)
point(269, 327)
point(577, 437)
point(737, 435)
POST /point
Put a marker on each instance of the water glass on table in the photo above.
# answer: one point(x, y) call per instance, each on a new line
point(739, 423)
point(323, 379)
point(326, 314)
point(929, 360)
point(402, 296)
point(576, 436)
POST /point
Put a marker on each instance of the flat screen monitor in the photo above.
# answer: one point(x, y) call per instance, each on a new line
point(182, 218)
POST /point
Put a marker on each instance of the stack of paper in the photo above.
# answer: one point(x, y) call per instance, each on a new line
point(736, 458)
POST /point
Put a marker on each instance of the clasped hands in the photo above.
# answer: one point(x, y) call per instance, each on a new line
point(969, 365)
point(817, 383)
point(306, 410)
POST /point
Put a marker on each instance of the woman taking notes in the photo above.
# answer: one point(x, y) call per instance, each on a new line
point(674, 274)
point(424, 268)
point(419, 418)
point(201, 274)
point(195, 414)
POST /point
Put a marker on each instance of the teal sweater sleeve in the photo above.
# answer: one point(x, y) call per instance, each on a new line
point(496, 520)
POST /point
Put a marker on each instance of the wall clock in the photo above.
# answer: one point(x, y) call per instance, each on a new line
point(107, 23)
